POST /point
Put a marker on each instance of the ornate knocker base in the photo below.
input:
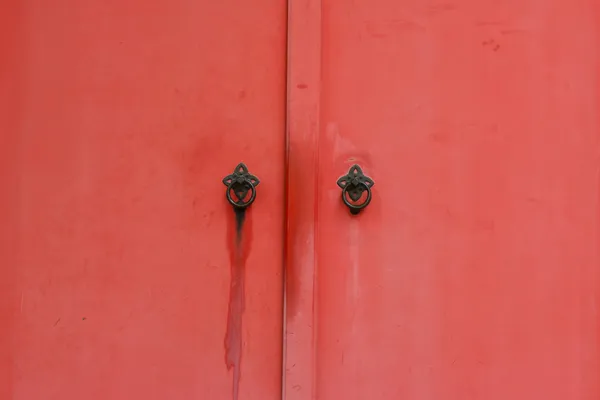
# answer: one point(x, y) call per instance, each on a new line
point(241, 187)
point(353, 185)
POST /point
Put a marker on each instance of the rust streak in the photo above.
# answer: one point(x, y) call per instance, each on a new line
point(239, 241)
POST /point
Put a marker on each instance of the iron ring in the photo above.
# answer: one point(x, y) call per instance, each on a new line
point(355, 209)
point(241, 204)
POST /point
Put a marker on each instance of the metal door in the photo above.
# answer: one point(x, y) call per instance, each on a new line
point(473, 272)
point(120, 270)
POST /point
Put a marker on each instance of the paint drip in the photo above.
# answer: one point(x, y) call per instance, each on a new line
point(238, 241)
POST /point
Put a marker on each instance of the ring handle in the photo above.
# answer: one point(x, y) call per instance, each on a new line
point(353, 185)
point(355, 208)
point(239, 183)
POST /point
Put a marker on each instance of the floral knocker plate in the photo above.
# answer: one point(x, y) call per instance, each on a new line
point(353, 185)
point(241, 187)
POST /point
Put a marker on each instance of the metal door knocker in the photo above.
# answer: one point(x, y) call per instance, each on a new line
point(241, 187)
point(353, 185)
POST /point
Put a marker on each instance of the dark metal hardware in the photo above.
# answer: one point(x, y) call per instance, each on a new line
point(353, 185)
point(239, 184)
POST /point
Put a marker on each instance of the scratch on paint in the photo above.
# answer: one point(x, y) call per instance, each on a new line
point(233, 336)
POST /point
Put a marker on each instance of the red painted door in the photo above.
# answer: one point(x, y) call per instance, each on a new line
point(474, 272)
point(119, 272)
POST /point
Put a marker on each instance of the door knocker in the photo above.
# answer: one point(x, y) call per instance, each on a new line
point(241, 187)
point(353, 185)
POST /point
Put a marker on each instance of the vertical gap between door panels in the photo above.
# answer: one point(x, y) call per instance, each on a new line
point(285, 200)
point(304, 54)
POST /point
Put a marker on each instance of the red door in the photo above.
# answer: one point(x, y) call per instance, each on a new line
point(120, 273)
point(472, 273)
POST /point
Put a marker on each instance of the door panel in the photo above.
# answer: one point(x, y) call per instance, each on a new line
point(473, 274)
point(118, 246)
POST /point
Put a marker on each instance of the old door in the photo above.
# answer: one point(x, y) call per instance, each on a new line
point(120, 272)
point(473, 273)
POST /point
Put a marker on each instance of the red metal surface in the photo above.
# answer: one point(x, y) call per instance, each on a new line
point(304, 68)
point(473, 274)
point(121, 119)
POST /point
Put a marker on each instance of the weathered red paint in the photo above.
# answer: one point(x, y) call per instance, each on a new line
point(240, 241)
point(304, 55)
point(473, 273)
point(119, 121)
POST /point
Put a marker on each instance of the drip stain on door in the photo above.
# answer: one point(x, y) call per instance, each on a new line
point(238, 240)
